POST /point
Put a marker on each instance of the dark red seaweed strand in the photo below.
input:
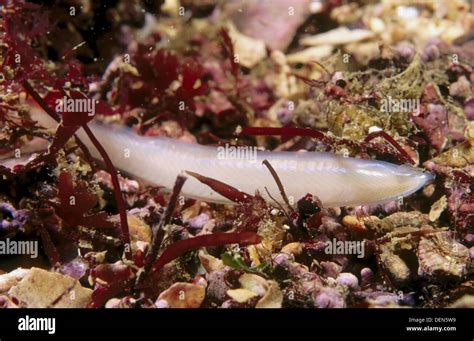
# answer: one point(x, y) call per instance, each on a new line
point(29, 89)
point(308, 81)
point(117, 191)
point(216, 239)
point(38, 99)
point(178, 185)
point(48, 245)
point(403, 154)
point(279, 184)
point(229, 49)
point(223, 189)
point(159, 231)
point(110, 167)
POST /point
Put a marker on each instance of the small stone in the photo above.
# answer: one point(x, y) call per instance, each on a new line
point(162, 304)
point(199, 221)
point(460, 88)
point(294, 248)
point(398, 270)
point(349, 280)
point(113, 303)
point(366, 277)
point(217, 286)
point(353, 223)
point(328, 298)
point(183, 295)
point(330, 269)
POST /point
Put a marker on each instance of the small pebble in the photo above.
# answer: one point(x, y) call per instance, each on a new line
point(349, 280)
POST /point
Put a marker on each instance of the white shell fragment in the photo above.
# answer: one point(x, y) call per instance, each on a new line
point(248, 51)
point(338, 36)
point(310, 54)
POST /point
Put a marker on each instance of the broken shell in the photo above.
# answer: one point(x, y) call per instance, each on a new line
point(459, 156)
point(440, 257)
point(12, 278)
point(467, 301)
point(396, 220)
point(309, 55)
point(338, 36)
point(248, 50)
point(294, 248)
point(241, 295)
point(396, 267)
point(183, 295)
point(353, 223)
point(438, 208)
point(253, 254)
point(364, 52)
point(254, 283)
point(460, 88)
point(273, 298)
point(210, 263)
point(139, 231)
point(383, 300)
point(397, 258)
point(41, 289)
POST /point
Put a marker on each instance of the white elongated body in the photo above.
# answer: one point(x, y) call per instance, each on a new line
point(336, 180)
